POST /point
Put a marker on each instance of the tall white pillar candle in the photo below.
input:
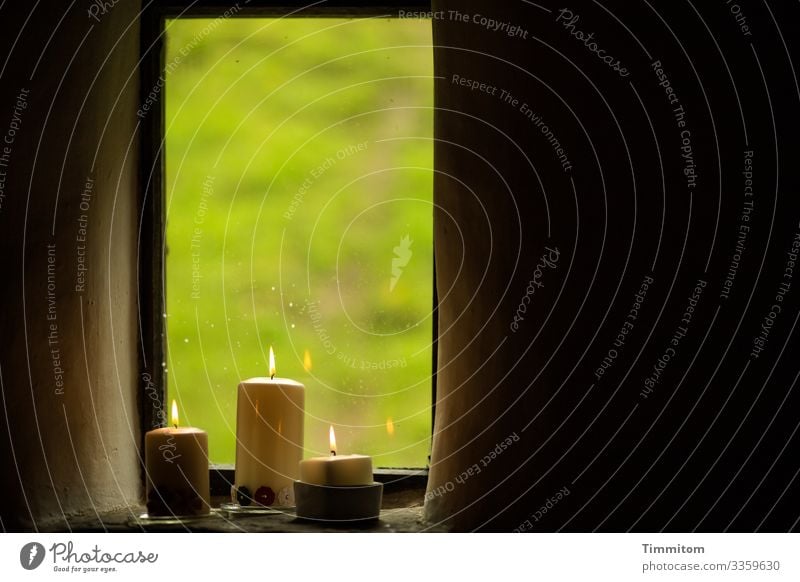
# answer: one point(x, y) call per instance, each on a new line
point(269, 440)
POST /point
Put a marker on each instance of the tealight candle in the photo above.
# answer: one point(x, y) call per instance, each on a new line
point(337, 470)
point(176, 461)
point(337, 488)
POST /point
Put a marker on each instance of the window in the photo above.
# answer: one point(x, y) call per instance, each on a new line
point(298, 205)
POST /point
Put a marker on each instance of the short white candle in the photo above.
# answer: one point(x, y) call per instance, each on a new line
point(269, 439)
point(338, 488)
point(337, 470)
point(176, 461)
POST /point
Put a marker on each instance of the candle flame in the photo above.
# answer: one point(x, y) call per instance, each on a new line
point(307, 361)
point(332, 439)
point(271, 363)
point(174, 413)
point(390, 426)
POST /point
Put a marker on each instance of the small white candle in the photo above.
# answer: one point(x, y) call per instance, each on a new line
point(269, 439)
point(338, 488)
point(337, 470)
point(176, 461)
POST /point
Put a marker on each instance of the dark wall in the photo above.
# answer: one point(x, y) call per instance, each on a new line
point(69, 421)
point(651, 371)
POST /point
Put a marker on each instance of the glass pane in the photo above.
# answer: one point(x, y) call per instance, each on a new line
point(299, 215)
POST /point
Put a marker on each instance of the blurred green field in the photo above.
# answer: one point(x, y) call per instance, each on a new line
point(298, 158)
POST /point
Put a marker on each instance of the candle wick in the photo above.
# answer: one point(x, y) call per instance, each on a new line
point(272, 376)
point(175, 425)
point(333, 453)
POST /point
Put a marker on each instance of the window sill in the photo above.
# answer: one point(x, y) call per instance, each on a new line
point(399, 520)
point(402, 488)
point(401, 512)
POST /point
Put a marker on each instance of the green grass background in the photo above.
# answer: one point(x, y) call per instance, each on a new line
point(255, 107)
